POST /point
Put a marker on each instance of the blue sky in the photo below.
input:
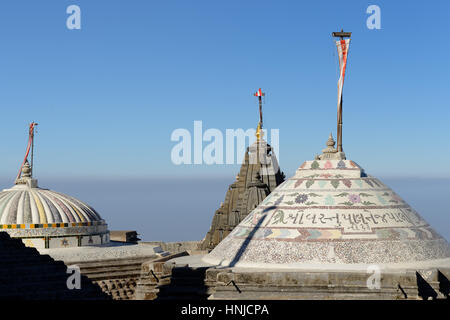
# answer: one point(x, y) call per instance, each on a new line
point(107, 97)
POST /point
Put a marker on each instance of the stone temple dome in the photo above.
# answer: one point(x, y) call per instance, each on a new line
point(331, 214)
point(44, 218)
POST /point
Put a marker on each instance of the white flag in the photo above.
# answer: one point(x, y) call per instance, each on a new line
point(342, 47)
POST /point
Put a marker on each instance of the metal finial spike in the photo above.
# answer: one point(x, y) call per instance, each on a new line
point(260, 94)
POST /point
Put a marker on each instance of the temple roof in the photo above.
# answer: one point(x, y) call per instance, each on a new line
point(26, 206)
point(330, 212)
point(256, 179)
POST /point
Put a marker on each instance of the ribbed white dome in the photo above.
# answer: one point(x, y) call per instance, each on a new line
point(47, 218)
point(24, 205)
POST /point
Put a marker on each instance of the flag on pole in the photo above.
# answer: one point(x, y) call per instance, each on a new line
point(259, 93)
point(342, 47)
point(30, 140)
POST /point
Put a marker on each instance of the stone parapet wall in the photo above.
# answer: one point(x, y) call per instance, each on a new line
point(116, 277)
point(27, 275)
point(154, 274)
point(192, 247)
point(188, 277)
point(119, 289)
point(241, 284)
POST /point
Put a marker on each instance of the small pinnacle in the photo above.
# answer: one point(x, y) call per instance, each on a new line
point(26, 170)
point(330, 142)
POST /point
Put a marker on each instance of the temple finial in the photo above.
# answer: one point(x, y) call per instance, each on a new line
point(25, 176)
point(330, 145)
point(330, 152)
point(259, 133)
point(26, 170)
point(331, 142)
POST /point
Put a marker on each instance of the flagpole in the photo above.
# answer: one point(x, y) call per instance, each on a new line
point(339, 127)
point(341, 35)
point(259, 94)
point(32, 155)
point(32, 125)
point(260, 111)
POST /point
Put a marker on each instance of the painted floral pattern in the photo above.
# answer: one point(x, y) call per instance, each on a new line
point(347, 183)
point(301, 198)
point(354, 198)
point(309, 183)
point(341, 165)
point(298, 183)
point(315, 165)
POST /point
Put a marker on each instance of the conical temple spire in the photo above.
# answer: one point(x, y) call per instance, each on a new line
point(257, 178)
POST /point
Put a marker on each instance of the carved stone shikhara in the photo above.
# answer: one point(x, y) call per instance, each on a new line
point(258, 177)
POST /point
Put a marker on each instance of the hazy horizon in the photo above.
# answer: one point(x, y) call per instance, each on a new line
point(181, 209)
